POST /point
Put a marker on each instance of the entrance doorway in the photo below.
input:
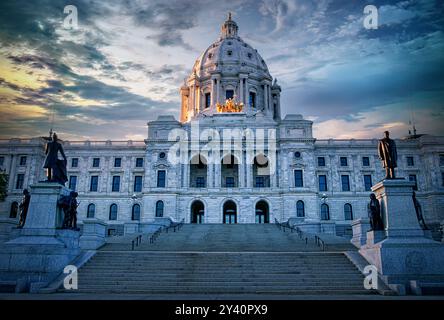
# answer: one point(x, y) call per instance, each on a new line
point(197, 212)
point(262, 212)
point(230, 214)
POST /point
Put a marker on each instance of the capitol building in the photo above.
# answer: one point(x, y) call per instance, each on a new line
point(231, 157)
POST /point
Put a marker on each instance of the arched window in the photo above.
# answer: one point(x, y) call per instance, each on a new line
point(300, 209)
point(159, 208)
point(14, 210)
point(325, 212)
point(113, 212)
point(135, 213)
point(348, 211)
point(90, 213)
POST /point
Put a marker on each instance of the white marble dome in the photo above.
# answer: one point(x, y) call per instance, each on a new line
point(229, 71)
point(230, 54)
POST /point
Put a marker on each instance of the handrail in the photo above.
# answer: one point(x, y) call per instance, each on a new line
point(136, 241)
point(321, 243)
point(283, 226)
point(174, 226)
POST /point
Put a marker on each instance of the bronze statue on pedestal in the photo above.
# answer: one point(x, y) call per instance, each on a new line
point(374, 214)
point(24, 205)
point(388, 155)
point(56, 168)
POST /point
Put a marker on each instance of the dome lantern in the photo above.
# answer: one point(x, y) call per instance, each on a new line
point(229, 28)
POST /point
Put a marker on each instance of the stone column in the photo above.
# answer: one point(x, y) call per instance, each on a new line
point(12, 170)
point(249, 175)
point(273, 175)
point(241, 173)
point(241, 90)
point(192, 107)
point(217, 174)
point(247, 96)
point(210, 166)
point(213, 93)
point(265, 98)
point(217, 90)
point(270, 100)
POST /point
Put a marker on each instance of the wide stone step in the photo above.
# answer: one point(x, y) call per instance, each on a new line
point(232, 290)
point(214, 285)
point(215, 276)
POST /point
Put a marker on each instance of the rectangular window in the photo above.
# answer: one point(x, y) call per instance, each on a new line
point(343, 161)
point(72, 182)
point(260, 182)
point(322, 183)
point(23, 160)
point(442, 179)
point(139, 162)
point(345, 181)
point(138, 184)
point(252, 100)
point(207, 100)
point(2, 161)
point(441, 160)
point(161, 175)
point(229, 94)
point(74, 162)
point(200, 182)
point(116, 184)
point(20, 181)
point(412, 177)
point(96, 162)
point(321, 161)
point(410, 162)
point(298, 179)
point(229, 182)
point(117, 162)
point(365, 161)
point(368, 182)
point(94, 184)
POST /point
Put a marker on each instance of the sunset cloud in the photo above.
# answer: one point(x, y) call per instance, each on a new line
point(125, 63)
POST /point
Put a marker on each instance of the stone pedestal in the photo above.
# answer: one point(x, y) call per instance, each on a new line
point(360, 228)
point(405, 254)
point(41, 250)
point(94, 234)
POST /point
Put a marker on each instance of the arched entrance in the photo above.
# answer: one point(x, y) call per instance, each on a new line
point(197, 212)
point(262, 212)
point(229, 212)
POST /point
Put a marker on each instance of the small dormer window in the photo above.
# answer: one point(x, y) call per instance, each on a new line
point(249, 55)
point(229, 53)
point(210, 55)
point(230, 43)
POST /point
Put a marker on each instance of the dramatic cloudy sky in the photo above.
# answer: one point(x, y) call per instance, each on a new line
point(125, 62)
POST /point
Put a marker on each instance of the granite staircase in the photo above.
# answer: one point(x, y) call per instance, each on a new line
point(222, 259)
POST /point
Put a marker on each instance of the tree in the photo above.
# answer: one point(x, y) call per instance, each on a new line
point(3, 185)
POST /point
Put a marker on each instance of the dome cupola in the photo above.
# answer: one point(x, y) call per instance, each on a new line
point(229, 28)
